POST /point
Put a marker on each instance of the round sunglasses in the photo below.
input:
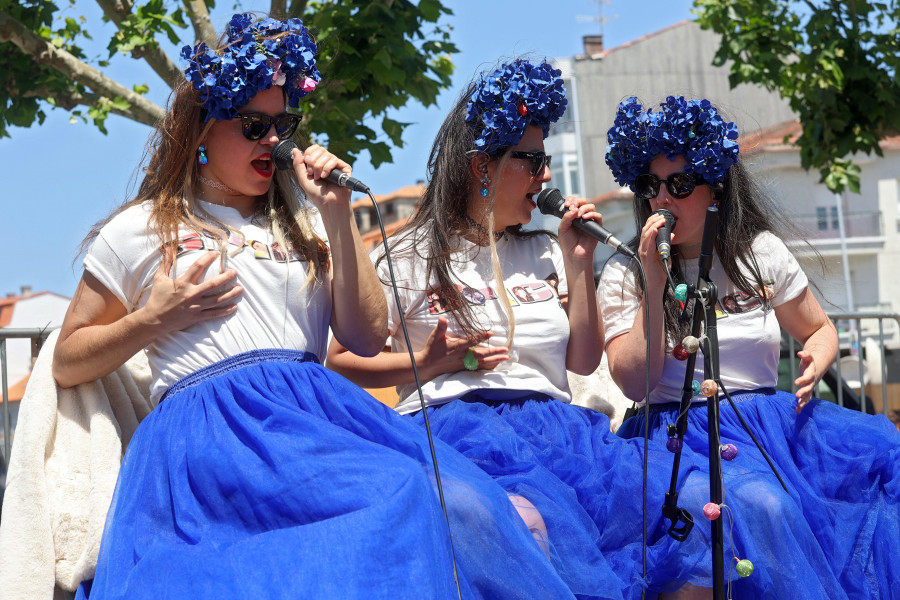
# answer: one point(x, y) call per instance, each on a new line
point(538, 159)
point(679, 185)
point(255, 126)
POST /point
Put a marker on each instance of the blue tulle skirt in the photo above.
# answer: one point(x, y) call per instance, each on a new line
point(268, 476)
point(584, 480)
point(835, 532)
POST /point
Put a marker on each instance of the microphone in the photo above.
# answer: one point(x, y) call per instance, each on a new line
point(664, 233)
point(281, 156)
point(551, 202)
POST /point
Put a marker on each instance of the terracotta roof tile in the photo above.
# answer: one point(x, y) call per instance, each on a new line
point(408, 191)
point(17, 390)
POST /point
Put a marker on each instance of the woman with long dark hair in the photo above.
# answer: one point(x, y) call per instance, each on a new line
point(817, 538)
point(493, 363)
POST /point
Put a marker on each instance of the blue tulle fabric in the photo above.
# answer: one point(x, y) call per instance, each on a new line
point(268, 476)
point(584, 480)
point(835, 532)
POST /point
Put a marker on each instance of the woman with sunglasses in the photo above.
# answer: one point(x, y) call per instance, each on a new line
point(817, 538)
point(260, 473)
point(493, 367)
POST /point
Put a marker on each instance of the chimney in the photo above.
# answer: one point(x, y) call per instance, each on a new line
point(593, 44)
point(26, 291)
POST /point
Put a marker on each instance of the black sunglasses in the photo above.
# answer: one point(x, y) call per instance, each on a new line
point(538, 159)
point(679, 185)
point(255, 126)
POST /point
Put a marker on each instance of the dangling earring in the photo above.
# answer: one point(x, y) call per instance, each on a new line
point(201, 157)
point(485, 182)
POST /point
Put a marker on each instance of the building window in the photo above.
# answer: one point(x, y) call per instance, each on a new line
point(822, 220)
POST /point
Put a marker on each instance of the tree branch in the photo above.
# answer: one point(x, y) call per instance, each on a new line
point(203, 29)
point(297, 9)
point(159, 61)
point(142, 110)
point(73, 99)
point(278, 9)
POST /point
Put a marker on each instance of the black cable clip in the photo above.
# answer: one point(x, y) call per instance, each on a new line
point(682, 521)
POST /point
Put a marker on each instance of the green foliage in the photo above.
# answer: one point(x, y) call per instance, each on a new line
point(139, 29)
point(23, 82)
point(375, 55)
point(835, 61)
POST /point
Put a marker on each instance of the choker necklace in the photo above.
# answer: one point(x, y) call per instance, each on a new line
point(216, 185)
point(482, 230)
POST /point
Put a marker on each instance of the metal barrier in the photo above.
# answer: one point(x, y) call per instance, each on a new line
point(38, 336)
point(841, 389)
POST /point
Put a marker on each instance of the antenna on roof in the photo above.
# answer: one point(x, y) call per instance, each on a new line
point(598, 18)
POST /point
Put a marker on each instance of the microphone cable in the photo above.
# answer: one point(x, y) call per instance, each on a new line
point(415, 370)
point(646, 466)
point(281, 155)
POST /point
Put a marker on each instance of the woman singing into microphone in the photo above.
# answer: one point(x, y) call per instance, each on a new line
point(493, 364)
point(835, 531)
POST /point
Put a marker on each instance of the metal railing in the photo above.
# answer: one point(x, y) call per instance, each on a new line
point(843, 392)
point(838, 380)
point(37, 336)
point(856, 224)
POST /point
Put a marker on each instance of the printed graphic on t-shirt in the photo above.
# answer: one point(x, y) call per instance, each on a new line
point(739, 302)
point(260, 249)
point(195, 242)
point(526, 293)
point(538, 291)
point(189, 243)
point(277, 253)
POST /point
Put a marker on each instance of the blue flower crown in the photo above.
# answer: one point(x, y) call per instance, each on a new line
point(510, 99)
point(692, 128)
point(255, 57)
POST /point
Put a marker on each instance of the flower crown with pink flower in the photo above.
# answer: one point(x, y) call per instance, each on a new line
point(690, 128)
point(255, 57)
point(516, 95)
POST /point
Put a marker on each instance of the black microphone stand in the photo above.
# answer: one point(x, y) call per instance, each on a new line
point(705, 296)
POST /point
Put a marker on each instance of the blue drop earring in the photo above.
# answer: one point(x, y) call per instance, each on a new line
point(485, 181)
point(201, 156)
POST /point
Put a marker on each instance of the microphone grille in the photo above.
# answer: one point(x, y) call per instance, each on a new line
point(669, 217)
point(281, 155)
point(550, 202)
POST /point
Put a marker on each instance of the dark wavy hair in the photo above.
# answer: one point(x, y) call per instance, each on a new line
point(745, 211)
point(435, 232)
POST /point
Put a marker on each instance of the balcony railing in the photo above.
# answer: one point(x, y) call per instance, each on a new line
point(856, 224)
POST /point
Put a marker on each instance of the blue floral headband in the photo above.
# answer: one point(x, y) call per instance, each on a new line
point(255, 57)
point(510, 99)
point(692, 128)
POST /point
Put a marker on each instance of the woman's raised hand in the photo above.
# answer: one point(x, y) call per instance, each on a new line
point(311, 167)
point(178, 303)
point(575, 243)
point(445, 353)
point(654, 268)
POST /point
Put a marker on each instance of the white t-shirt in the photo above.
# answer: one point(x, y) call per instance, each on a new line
point(274, 310)
point(749, 336)
point(531, 268)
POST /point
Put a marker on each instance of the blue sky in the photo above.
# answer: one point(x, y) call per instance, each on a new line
point(60, 178)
